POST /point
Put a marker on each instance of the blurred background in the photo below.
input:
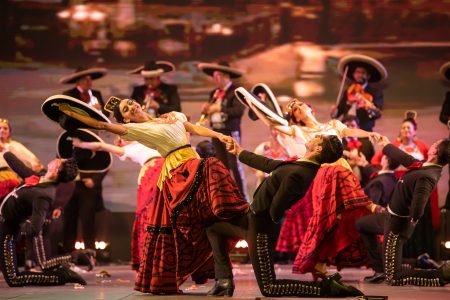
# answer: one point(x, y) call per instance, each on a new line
point(292, 46)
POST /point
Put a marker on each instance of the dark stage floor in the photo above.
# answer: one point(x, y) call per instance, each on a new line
point(120, 286)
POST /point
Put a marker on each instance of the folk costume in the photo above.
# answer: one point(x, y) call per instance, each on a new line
point(192, 192)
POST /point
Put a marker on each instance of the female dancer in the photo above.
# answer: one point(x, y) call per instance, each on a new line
point(151, 163)
point(192, 192)
point(8, 179)
point(321, 226)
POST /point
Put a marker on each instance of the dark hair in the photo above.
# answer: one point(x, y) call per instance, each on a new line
point(206, 149)
point(350, 118)
point(67, 171)
point(392, 163)
point(332, 149)
point(412, 121)
point(118, 114)
point(443, 152)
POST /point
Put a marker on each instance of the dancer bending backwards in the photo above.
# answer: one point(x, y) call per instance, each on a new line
point(193, 192)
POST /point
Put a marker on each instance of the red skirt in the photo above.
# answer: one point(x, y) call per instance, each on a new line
point(146, 194)
point(176, 244)
point(331, 237)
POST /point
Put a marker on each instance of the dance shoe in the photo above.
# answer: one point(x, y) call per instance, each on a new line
point(334, 288)
point(222, 287)
point(67, 275)
point(375, 278)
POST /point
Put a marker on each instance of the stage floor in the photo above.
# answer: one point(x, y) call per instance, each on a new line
point(120, 286)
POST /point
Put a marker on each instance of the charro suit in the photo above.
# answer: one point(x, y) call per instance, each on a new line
point(287, 183)
point(25, 210)
point(167, 98)
point(406, 207)
point(75, 93)
point(231, 113)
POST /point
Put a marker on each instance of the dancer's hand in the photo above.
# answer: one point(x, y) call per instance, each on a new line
point(374, 137)
point(383, 141)
point(76, 142)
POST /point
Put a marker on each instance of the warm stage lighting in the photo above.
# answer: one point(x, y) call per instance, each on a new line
point(241, 244)
point(447, 245)
point(79, 245)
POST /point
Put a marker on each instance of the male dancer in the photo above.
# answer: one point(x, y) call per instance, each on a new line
point(406, 207)
point(287, 183)
point(25, 210)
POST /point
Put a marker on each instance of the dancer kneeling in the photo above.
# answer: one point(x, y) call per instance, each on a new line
point(287, 183)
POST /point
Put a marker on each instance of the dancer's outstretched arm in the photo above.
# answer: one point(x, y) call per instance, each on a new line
point(203, 131)
point(98, 146)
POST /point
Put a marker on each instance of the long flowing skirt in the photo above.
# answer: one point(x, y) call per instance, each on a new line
point(331, 237)
point(146, 193)
point(176, 244)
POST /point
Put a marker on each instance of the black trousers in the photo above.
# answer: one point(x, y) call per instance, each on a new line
point(261, 235)
point(229, 160)
point(9, 232)
point(397, 231)
point(369, 227)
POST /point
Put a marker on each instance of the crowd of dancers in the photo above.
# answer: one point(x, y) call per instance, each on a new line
point(324, 196)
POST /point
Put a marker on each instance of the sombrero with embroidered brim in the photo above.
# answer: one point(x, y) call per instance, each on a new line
point(375, 68)
point(80, 72)
point(445, 70)
point(268, 99)
point(153, 69)
point(224, 67)
point(88, 161)
point(264, 112)
point(50, 108)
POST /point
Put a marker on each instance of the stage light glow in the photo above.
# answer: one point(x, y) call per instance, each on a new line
point(241, 244)
point(63, 14)
point(80, 15)
point(447, 245)
point(101, 245)
point(79, 245)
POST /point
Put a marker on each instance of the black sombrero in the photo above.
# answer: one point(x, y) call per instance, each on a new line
point(50, 108)
point(88, 161)
point(95, 73)
point(153, 69)
point(376, 70)
point(269, 100)
point(445, 70)
point(209, 68)
point(263, 111)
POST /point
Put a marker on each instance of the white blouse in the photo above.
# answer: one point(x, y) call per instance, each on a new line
point(159, 135)
point(138, 153)
point(296, 145)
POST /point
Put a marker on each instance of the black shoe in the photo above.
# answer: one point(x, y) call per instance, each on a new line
point(333, 288)
point(223, 287)
point(67, 275)
point(375, 278)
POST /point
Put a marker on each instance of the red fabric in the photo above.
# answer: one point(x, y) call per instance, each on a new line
point(198, 192)
point(331, 236)
point(146, 194)
point(32, 180)
point(6, 186)
point(354, 144)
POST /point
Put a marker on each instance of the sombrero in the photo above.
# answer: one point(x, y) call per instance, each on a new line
point(153, 69)
point(269, 100)
point(209, 68)
point(260, 108)
point(95, 73)
point(445, 70)
point(88, 161)
point(50, 108)
point(376, 70)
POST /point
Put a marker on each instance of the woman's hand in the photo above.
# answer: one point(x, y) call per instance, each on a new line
point(374, 137)
point(76, 142)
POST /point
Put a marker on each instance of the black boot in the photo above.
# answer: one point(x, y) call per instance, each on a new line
point(334, 288)
point(67, 275)
point(223, 287)
point(375, 278)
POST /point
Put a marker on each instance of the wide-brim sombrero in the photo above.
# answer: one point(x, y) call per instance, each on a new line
point(209, 68)
point(375, 68)
point(153, 69)
point(50, 108)
point(269, 100)
point(88, 161)
point(95, 73)
point(444, 70)
point(260, 108)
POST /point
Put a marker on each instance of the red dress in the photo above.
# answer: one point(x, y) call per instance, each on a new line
point(333, 203)
point(176, 245)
